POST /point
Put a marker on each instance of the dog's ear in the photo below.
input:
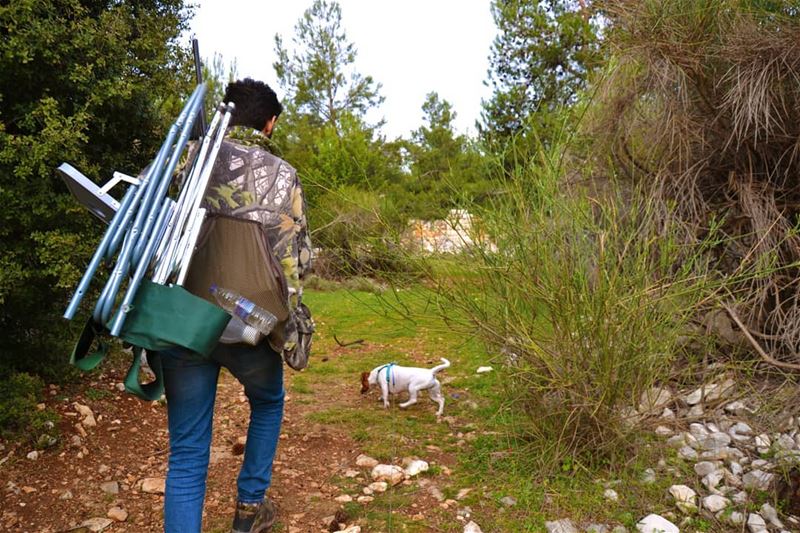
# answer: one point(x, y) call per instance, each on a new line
point(364, 382)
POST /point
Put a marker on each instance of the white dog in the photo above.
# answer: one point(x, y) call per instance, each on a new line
point(393, 379)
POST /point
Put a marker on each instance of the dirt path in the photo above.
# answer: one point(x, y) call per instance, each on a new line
point(107, 469)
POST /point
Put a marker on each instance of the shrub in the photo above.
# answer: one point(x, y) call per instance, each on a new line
point(585, 301)
point(703, 108)
point(358, 234)
point(19, 416)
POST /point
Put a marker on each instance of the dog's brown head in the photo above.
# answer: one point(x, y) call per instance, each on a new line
point(364, 382)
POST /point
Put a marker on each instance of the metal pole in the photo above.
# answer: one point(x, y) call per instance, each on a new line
point(198, 73)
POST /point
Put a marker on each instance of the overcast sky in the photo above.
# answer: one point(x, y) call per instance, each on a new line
point(411, 47)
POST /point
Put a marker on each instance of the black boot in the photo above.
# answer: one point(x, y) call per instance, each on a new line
point(254, 517)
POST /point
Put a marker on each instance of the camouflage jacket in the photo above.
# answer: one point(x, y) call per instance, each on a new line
point(247, 181)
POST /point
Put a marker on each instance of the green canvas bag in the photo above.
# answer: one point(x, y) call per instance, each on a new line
point(161, 317)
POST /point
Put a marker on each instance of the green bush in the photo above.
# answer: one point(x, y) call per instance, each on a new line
point(19, 416)
point(359, 234)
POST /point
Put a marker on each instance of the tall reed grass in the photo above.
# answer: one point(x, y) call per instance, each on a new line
point(585, 302)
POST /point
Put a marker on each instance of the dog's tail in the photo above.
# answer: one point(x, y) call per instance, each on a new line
point(445, 364)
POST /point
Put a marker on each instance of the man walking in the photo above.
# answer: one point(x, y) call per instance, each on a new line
point(236, 188)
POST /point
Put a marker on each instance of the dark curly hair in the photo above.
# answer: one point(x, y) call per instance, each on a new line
point(255, 101)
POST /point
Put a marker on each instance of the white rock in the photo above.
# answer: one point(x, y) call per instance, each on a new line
point(508, 501)
point(736, 408)
point(611, 495)
point(561, 526)
point(740, 432)
point(415, 467)
point(685, 498)
point(364, 499)
point(696, 411)
point(378, 486)
point(756, 524)
point(87, 414)
point(731, 479)
point(110, 487)
point(483, 369)
point(153, 485)
point(117, 514)
point(344, 498)
point(463, 494)
point(785, 442)
point(757, 479)
point(472, 527)
point(740, 498)
point(367, 491)
point(721, 454)
point(351, 529)
point(694, 397)
point(34, 455)
point(711, 392)
point(715, 503)
point(597, 528)
point(770, 514)
point(736, 468)
point(648, 476)
point(366, 461)
point(653, 399)
point(668, 414)
point(676, 441)
point(698, 431)
point(351, 473)
point(688, 453)
point(704, 468)
point(392, 474)
point(735, 517)
point(715, 441)
point(654, 523)
point(663, 431)
point(712, 480)
point(763, 441)
point(96, 524)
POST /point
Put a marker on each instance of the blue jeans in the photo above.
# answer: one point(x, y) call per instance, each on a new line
point(191, 385)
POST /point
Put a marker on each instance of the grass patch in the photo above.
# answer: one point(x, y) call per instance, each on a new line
point(492, 459)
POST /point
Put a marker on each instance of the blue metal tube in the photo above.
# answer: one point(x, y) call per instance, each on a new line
point(141, 268)
point(157, 174)
point(105, 303)
point(126, 205)
point(135, 205)
point(165, 179)
point(165, 260)
point(99, 253)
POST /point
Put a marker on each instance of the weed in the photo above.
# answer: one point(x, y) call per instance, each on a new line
point(97, 394)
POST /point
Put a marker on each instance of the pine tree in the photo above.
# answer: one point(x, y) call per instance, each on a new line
point(540, 60)
point(318, 73)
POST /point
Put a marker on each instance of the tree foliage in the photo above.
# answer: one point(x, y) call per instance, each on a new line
point(91, 83)
point(446, 168)
point(318, 72)
point(539, 61)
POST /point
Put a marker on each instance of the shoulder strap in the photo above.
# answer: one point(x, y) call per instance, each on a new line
point(85, 359)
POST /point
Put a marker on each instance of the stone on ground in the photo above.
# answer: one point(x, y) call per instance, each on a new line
point(654, 523)
point(561, 526)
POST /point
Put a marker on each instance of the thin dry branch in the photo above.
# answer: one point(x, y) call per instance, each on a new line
point(764, 355)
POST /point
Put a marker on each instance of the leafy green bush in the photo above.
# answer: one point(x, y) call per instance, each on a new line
point(19, 395)
point(94, 84)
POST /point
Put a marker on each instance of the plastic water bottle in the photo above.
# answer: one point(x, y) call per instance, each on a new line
point(242, 308)
point(237, 332)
